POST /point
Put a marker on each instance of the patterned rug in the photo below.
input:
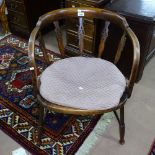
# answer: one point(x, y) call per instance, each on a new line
point(152, 150)
point(63, 134)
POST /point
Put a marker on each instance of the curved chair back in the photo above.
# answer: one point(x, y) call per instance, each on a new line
point(82, 14)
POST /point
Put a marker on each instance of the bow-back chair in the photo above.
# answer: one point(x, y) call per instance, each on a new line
point(3, 17)
point(83, 85)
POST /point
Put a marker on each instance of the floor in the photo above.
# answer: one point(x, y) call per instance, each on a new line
point(139, 118)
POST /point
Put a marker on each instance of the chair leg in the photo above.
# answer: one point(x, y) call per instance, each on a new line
point(122, 125)
point(41, 120)
point(4, 24)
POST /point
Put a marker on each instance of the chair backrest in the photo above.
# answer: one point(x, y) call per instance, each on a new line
point(86, 13)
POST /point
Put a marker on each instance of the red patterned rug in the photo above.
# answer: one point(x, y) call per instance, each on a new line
point(63, 134)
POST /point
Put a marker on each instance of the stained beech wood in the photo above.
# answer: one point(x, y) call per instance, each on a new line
point(103, 39)
point(108, 17)
point(120, 48)
point(43, 48)
point(88, 13)
point(59, 38)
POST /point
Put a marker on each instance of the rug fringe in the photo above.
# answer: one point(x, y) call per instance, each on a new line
point(94, 135)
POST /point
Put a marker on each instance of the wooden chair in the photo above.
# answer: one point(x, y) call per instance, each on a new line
point(83, 85)
point(3, 17)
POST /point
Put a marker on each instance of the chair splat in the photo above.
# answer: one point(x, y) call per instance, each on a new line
point(103, 39)
point(59, 38)
point(81, 34)
point(43, 48)
point(120, 48)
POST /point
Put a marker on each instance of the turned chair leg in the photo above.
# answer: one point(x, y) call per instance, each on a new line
point(41, 120)
point(122, 125)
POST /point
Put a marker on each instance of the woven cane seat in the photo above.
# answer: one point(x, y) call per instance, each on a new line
point(85, 83)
